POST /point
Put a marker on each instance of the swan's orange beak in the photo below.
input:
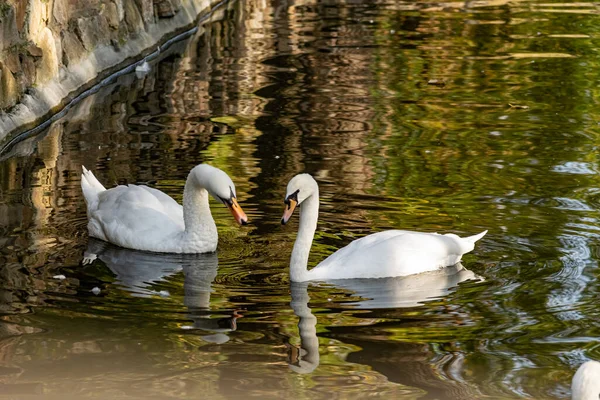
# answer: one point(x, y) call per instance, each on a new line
point(290, 206)
point(237, 212)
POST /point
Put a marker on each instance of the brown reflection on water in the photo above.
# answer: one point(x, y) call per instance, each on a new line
point(335, 72)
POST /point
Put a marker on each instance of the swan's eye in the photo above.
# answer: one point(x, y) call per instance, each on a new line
point(227, 202)
point(293, 196)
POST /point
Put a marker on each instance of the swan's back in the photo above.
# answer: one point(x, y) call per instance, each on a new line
point(394, 253)
point(134, 216)
point(134, 199)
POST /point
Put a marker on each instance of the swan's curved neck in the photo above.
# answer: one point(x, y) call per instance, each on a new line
point(199, 223)
point(309, 213)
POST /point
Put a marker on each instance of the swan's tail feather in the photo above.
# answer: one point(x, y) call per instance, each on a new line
point(475, 238)
point(91, 186)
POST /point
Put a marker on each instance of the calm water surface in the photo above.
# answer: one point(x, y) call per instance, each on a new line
point(442, 117)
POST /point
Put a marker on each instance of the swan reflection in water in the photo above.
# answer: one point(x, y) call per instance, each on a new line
point(136, 271)
point(407, 291)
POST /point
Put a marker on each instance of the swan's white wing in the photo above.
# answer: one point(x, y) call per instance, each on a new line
point(128, 215)
point(172, 208)
point(392, 253)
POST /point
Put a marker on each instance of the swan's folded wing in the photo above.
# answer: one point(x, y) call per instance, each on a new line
point(392, 253)
point(125, 214)
point(170, 207)
point(360, 246)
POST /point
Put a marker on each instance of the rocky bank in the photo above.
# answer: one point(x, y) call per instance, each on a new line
point(52, 50)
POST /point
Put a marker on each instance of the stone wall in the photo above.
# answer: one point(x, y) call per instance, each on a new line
point(51, 50)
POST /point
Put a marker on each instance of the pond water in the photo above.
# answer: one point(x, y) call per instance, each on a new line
point(440, 117)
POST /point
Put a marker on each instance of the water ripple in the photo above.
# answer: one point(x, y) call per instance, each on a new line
point(576, 168)
point(573, 281)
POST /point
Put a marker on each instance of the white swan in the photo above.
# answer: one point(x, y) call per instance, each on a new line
point(586, 382)
point(384, 254)
point(143, 218)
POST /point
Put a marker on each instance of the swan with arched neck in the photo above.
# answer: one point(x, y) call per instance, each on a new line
point(143, 218)
point(384, 254)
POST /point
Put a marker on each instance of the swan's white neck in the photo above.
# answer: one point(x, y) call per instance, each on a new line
point(309, 213)
point(199, 223)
